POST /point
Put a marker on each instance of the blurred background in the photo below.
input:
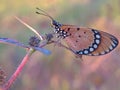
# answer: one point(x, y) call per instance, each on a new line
point(61, 70)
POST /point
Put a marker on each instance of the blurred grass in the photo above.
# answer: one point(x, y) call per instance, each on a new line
point(60, 70)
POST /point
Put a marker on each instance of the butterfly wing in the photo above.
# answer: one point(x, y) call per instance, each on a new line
point(81, 40)
point(87, 41)
point(43, 50)
point(13, 42)
point(108, 43)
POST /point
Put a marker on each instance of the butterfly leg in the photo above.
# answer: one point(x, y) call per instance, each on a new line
point(76, 55)
point(61, 45)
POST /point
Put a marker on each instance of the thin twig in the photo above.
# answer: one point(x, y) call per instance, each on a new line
point(32, 29)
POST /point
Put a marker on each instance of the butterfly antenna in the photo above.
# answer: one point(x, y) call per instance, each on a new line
point(42, 12)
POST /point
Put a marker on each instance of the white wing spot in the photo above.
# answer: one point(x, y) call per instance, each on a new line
point(111, 47)
point(102, 53)
point(114, 45)
point(97, 36)
point(64, 35)
point(56, 31)
point(81, 52)
point(97, 41)
point(115, 41)
point(86, 51)
point(107, 50)
point(61, 31)
point(64, 32)
point(91, 49)
point(96, 54)
point(96, 31)
point(95, 46)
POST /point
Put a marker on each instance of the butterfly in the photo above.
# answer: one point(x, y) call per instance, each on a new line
point(82, 40)
point(33, 43)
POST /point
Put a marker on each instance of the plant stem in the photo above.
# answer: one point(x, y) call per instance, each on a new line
point(8, 84)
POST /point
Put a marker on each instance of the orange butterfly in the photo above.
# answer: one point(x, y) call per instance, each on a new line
point(82, 40)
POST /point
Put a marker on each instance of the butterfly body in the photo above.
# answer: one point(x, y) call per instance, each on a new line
point(82, 40)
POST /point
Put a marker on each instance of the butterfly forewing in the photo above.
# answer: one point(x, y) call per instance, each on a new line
point(87, 41)
point(79, 38)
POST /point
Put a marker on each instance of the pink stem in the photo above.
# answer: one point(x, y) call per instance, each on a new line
point(17, 72)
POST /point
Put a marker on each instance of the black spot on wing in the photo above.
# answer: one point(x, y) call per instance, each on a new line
point(78, 29)
point(68, 29)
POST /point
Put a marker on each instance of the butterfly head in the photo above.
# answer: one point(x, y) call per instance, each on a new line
point(56, 24)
